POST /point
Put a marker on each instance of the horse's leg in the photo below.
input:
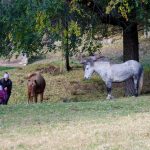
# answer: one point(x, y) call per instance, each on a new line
point(135, 79)
point(41, 97)
point(109, 87)
point(35, 98)
point(29, 97)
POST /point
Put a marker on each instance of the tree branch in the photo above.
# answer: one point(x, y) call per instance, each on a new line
point(116, 20)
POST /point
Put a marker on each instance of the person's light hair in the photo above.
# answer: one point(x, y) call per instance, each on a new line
point(6, 75)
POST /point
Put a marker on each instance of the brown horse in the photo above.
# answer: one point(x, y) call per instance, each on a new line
point(36, 85)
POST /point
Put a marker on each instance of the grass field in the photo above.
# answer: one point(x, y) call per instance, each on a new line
point(123, 124)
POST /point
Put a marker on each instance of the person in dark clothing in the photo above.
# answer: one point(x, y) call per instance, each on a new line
point(3, 95)
point(7, 85)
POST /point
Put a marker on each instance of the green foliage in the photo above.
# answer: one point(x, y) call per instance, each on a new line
point(23, 24)
point(89, 44)
point(127, 7)
point(74, 28)
point(40, 21)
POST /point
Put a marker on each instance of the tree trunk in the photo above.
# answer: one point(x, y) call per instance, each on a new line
point(66, 50)
point(68, 68)
point(130, 52)
point(130, 43)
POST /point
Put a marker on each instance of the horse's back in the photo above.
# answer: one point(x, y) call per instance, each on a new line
point(135, 66)
point(123, 71)
point(132, 62)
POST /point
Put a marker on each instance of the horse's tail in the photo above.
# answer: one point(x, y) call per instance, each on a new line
point(140, 83)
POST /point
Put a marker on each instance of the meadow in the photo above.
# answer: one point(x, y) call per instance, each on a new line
point(122, 124)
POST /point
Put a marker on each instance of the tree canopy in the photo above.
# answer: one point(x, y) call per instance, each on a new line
point(24, 22)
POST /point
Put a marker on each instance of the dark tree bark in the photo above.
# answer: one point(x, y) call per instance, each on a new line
point(130, 43)
point(130, 52)
point(66, 43)
point(67, 64)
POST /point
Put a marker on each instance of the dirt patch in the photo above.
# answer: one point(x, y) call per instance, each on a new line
point(80, 88)
point(50, 69)
point(83, 91)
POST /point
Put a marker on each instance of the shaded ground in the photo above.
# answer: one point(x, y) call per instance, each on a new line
point(51, 69)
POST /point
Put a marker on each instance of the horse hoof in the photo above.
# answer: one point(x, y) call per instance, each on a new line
point(112, 97)
point(109, 97)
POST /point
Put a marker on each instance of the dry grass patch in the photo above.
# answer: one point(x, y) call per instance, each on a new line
point(112, 133)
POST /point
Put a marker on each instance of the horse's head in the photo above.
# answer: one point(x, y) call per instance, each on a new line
point(88, 70)
point(88, 67)
point(32, 84)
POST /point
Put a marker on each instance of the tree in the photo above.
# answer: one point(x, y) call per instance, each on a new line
point(18, 20)
point(23, 24)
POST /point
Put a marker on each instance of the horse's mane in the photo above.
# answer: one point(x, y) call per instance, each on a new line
point(98, 58)
point(103, 58)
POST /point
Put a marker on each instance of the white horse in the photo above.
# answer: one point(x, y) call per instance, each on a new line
point(114, 72)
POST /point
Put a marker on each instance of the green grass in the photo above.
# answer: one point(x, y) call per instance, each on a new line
point(6, 68)
point(85, 125)
point(59, 112)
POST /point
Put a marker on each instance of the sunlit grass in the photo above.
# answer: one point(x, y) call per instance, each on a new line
point(117, 124)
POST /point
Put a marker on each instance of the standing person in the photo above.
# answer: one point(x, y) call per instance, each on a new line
point(3, 95)
point(7, 85)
